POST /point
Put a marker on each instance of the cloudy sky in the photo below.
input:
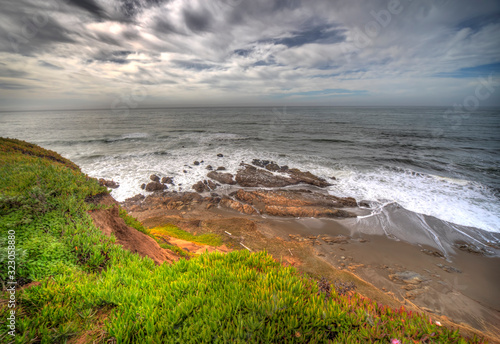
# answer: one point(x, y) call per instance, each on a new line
point(60, 54)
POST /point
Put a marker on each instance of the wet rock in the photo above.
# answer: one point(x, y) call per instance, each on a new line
point(408, 277)
point(169, 199)
point(273, 167)
point(220, 155)
point(136, 200)
point(155, 186)
point(449, 269)
point(200, 187)
point(205, 185)
point(364, 204)
point(293, 198)
point(284, 168)
point(221, 168)
point(413, 293)
point(470, 248)
point(306, 212)
point(108, 183)
point(307, 178)
point(238, 206)
point(154, 178)
point(210, 184)
point(224, 178)
point(167, 180)
point(251, 176)
point(185, 171)
point(209, 167)
point(432, 253)
point(143, 186)
point(196, 163)
point(335, 240)
point(295, 203)
point(260, 163)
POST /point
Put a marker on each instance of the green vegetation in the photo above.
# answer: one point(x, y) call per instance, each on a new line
point(132, 222)
point(94, 291)
point(176, 232)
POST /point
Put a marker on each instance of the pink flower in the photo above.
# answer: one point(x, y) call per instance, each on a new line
point(395, 341)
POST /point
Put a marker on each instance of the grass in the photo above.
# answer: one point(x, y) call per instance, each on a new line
point(132, 222)
point(94, 291)
point(176, 232)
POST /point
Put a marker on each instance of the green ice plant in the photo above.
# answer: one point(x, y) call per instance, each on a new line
point(176, 232)
point(92, 290)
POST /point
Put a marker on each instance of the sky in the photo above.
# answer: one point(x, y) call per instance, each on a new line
point(84, 54)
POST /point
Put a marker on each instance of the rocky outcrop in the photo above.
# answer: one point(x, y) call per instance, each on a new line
point(274, 210)
point(167, 180)
point(283, 203)
point(307, 178)
point(108, 183)
point(273, 167)
point(296, 203)
point(155, 186)
point(251, 176)
point(278, 202)
point(154, 178)
point(293, 198)
point(238, 206)
point(206, 185)
point(223, 178)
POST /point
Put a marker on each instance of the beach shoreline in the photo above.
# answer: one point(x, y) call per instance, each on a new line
point(456, 286)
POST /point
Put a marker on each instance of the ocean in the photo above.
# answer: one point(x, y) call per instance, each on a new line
point(422, 159)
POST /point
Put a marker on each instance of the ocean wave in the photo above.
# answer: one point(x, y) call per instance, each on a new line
point(101, 140)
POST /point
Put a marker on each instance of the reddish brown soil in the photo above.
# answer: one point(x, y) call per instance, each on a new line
point(110, 222)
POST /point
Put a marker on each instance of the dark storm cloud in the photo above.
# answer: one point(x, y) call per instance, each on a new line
point(197, 21)
point(90, 6)
point(25, 37)
point(162, 26)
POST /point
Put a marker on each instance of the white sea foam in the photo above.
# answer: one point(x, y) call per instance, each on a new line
point(453, 200)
